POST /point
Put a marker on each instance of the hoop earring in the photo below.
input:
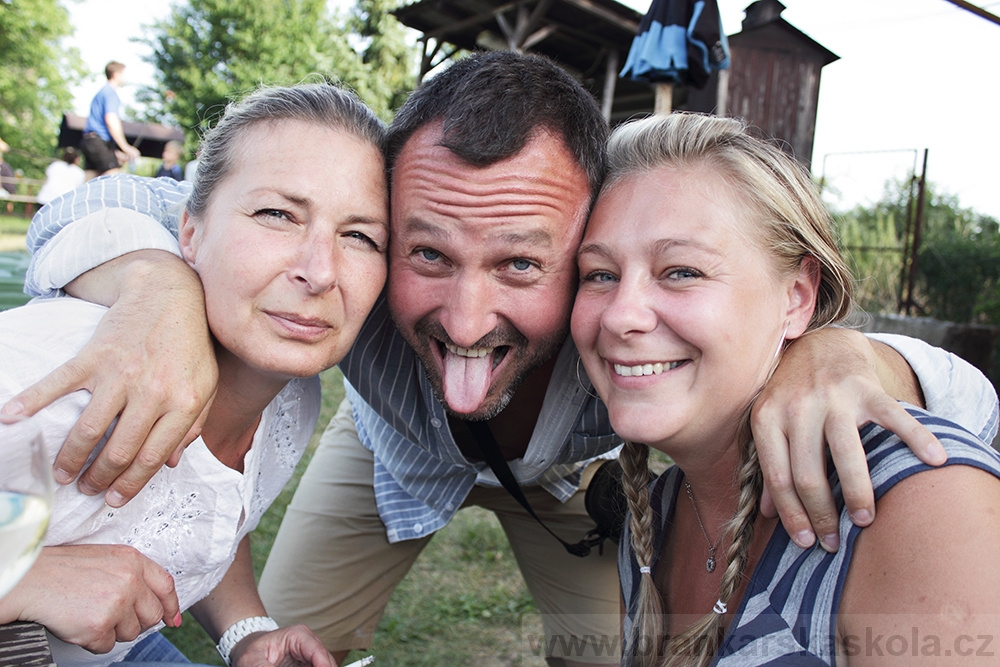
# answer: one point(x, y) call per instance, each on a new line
point(582, 383)
point(781, 343)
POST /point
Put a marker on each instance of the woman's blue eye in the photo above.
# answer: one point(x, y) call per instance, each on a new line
point(364, 238)
point(684, 273)
point(430, 255)
point(272, 213)
point(599, 277)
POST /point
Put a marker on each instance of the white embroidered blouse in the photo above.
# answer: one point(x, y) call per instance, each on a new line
point(189, 519)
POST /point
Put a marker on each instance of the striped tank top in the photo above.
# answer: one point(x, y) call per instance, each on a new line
point(788, 615)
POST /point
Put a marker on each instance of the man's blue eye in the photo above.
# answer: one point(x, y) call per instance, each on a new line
point(430, 255)
point(521, 264)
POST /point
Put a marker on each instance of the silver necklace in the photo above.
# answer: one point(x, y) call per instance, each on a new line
point(710, 563)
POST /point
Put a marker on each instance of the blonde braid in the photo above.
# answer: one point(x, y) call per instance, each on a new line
point(698, 644)
point(646, 638)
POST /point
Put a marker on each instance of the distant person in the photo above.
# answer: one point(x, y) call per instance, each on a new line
point(191, 168)
point(62, 176)
point(8, 180)
point(171, 167)
point(103, 134)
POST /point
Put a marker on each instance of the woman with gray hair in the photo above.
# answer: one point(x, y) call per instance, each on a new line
point(291, 260)
point(708, 251)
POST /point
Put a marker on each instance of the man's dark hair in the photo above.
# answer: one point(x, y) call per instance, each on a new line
point(491, 104)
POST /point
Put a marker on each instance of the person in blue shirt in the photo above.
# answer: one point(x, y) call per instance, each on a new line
point(103, 134)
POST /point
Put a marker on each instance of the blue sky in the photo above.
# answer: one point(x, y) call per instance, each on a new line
point(912, 74)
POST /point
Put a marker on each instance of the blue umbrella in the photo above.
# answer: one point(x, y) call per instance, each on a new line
point(679, 41)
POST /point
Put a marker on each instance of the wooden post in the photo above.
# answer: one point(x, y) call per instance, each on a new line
point(610, 79)
point(664, 102)
point(24, 644)
point(917, 230)
point(722, 94)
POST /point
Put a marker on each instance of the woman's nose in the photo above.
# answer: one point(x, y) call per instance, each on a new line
point(316, 266)
point(629, 311)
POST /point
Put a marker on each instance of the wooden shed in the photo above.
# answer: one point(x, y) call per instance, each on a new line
point(774, 77)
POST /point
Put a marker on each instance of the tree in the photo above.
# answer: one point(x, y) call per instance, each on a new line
point(958, 264)
point(387, 73)
point(873, 251)
point(35, 79)
point(209, 51)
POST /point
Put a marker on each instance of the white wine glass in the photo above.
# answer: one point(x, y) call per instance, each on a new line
point(25, 499)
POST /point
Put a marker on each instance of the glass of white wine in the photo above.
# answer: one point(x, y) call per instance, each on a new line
point(25, 499)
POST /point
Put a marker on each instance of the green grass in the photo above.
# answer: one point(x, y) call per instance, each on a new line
point(12, 231)
point(463, 603)
point(13, 264)
point(14, 225)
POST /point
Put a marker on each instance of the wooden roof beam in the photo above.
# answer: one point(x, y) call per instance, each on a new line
point(606, 15)
point(484, 17)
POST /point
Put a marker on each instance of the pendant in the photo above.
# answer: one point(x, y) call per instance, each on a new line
point(710, 564)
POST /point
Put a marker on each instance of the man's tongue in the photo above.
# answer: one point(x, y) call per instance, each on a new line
point(466, 381)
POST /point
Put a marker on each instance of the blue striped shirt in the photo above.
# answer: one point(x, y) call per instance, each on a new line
point(788, 615)
point(421, 477)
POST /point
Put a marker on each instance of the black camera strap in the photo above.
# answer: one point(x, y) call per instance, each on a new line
point(490, 450)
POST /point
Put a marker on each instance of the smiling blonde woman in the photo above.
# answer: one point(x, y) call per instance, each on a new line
point(708, 251)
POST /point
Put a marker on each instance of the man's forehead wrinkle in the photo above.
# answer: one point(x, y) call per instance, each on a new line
point(509, 180)
point(535, 237)
point(509, 196)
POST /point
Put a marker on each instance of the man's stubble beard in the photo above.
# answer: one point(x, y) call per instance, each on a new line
point(427, 332)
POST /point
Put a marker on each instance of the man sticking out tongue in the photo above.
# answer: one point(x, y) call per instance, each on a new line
point(466, 377)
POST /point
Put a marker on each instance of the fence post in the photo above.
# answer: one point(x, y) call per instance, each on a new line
point(918, 225)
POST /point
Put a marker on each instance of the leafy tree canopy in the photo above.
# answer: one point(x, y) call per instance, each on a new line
point(943, 213)
point(35, 79)
point(210, 51)
point(958, 265)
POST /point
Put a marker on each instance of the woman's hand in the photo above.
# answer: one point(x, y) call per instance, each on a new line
point(150, 364)
point(829, 383)
point(287, 647)
point(93, 595)
point(235, 599)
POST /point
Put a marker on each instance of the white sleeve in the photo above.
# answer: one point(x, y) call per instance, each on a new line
point(953, 388)
point(91, 241)
point(104, 219)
